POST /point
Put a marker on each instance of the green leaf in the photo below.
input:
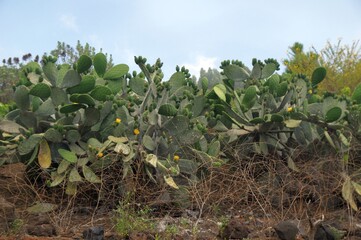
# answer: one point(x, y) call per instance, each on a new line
point(100, 64)
point(167, 110)
point(63, 166)
point(235, 73)
point(71, 79)
point(92, 116)
point(214, 149)
point(47, 108)
point(21, 97)
point(56, 179)
point(74, 175)
point(10, 127)
point(122, 148)
point(67, 155)
point(250, 97)
point(116, 72)
point(58, 96)
point(90, 175)
point(72, 136)
point(41, 90)
point(318, 75)
point(29, 144)
point(86, 85)
point(51, 72)
point(44, 155)
point(84, 63)
point(149, 143)
point(69, 108)
point(100, 93)
point(137, 85)
point(220, 90)
point(177, 80)
point(82, 98)
point(357, 187)
point(333, 114)
point(118, 139)
point(268, 70)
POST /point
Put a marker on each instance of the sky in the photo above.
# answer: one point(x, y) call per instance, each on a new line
point(191, 33)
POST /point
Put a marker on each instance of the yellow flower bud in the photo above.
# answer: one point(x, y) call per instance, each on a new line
point(100, 154)
point(136, 131)
point(310, 91)
point(118, 120)
point(290, 109)
point(176, 158)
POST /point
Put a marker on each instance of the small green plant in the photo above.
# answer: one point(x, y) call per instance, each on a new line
point(129, 219)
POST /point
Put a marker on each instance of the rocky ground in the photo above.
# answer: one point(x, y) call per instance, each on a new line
point(74, 221)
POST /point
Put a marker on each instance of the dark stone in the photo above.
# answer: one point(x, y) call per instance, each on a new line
point(94, 233)
point(286, 230)
point(323, 233)
point(7, 214)
point(42, 230)
point(235, 229)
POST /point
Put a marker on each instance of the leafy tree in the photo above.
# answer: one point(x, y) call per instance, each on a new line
point(342, 62)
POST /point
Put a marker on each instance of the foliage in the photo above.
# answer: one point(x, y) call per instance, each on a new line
point(74, 120)
point(342, 63)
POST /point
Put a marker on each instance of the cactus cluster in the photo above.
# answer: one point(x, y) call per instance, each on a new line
point(74, 120)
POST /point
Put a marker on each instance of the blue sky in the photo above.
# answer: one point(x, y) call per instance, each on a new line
point(198, 33)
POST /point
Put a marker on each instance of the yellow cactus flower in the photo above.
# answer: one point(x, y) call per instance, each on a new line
point(136, 131)
point(289, 109)
point(176, 158)
point(100, 155)
point(118, 120)
point(310, 91)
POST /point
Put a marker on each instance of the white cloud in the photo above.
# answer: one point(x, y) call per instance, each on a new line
point(201, 62)
point(69, 22)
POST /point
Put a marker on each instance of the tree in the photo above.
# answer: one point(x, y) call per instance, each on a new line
point(342, 62)
point(213, 76)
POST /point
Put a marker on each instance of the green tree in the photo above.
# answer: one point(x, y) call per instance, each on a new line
point(213, 75)
point(342, 62)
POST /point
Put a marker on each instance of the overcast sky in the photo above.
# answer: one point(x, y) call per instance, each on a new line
point(195, 33)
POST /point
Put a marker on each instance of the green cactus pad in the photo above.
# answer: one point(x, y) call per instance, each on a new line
point(333, 114)
point(116, 72)
point(149, 143)
point(177, 125)
point(92, 116)
point(53, 135)
point(58, 96)
point(137, 85)
point(82, 98)
point(220, 90)
point(235, 73)
point(277, 118)
point(71, 79)
point(51, 73)
point(116, 85)
point(268, 70)
point(177, 80)
point(41, 90)
point(273, 84)
point(86, 85)
point(29, 144)
point(21, 97)
point(69, 108)
point(256, 71)
point(356, 95)
point(100, 93)
point(282, 89)
point(100, 64)
point(72, 136)
point(257, 120)
point(84, 63)
point(249, 98)
point(190, 137)
point(47, 108)
point(167, 110)
point(318, 75)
